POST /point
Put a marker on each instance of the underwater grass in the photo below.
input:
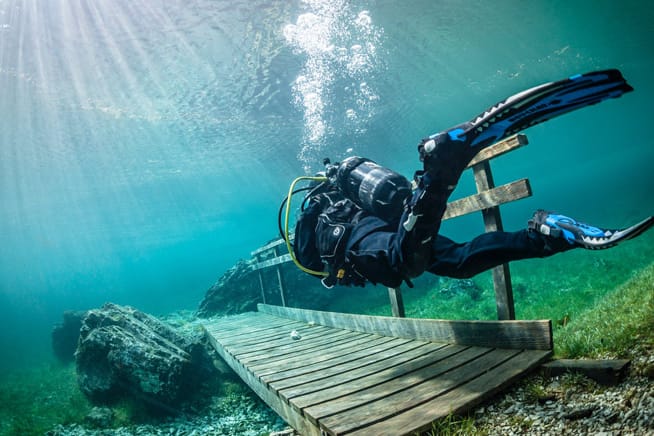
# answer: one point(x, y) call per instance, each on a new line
point(617, 325)
point(33, 401)
point(453, 425)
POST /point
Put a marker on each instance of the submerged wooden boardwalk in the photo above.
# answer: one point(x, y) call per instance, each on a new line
point(367, 375)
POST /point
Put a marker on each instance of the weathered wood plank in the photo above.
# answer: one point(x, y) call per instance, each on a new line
point(332, 399)
point(297, 421)
point(535, 334)
point(283, 338)
point(258, 336)
point(269, 246)
point(494, 197)
point(500, 148)
point(223, 326)
point(403, 394)
point(271, 262)
point(317, 354)
point(363, 376)
point(397, 304)
point(493, 223)
point(456, 401)
point(301, 351)
point(336, 364)
point(606, 372)
point(252, 333)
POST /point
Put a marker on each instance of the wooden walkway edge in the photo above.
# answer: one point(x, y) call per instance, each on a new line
point(337, 374)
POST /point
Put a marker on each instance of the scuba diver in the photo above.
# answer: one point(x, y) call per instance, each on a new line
point(362, 223)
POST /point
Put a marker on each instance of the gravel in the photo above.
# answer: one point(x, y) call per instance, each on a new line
point(232, 415)
point(573, 405)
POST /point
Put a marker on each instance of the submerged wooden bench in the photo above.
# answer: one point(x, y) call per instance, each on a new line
point(487, 200)
point(370, 375)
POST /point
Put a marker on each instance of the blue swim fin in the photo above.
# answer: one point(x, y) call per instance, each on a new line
point(536, 105)
point(458, 145)
point(576, 233)
point(542, 103)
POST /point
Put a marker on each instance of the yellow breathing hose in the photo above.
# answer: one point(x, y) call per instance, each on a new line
point(286, 220)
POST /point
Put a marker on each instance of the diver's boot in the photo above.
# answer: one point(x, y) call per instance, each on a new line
point(446, 155)
point(563, 232)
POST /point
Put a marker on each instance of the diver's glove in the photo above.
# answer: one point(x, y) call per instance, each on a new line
point(562, 230)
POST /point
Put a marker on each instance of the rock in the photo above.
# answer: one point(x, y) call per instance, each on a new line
point(583, 412)
point(452, 287)
point(648, 371)
point(235, 292)
point(66, 335)
point(100, 417)
point(125, 353)
point(238, 290)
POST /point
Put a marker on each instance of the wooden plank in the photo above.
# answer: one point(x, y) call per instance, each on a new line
point(358, 381)
point(246, 318)
point(282, 338)
point(229, 330)
point(397, 304)
point(339, 363)
point(308, 338)
point(493, 223)
point(299, 352)
point(312, 353)
point(534, 334)
point(362, 377)
point(297, 421)
point(503, 292)
point(247, 336)
point(271, 262)
point(291, 362)
point(456, 401)
point(604, 371)
point(494, 197)
point(499, 148)
point(280, 280)
point(263, 289)
point(403, 394)
point(269, 246)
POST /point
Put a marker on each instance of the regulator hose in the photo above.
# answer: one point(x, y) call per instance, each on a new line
point(286, 237)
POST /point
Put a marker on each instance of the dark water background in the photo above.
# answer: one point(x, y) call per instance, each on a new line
point(145, 145)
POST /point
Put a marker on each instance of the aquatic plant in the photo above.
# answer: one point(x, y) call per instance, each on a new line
point(615, 324)
point(454, 425)
point(32, 401)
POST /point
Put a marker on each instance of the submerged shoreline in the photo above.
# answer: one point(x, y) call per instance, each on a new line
point(540, 405)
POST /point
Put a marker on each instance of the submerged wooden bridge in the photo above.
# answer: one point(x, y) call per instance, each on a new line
point(343, 374)
point(335, 373)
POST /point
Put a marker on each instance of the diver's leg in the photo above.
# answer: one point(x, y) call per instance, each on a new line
point(548, 233)
point(421, 222)
point(488, 250)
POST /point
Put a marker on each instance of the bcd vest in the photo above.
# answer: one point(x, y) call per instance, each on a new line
point(321, 236)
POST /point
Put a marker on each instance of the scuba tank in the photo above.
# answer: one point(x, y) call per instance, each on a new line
point(373, 188)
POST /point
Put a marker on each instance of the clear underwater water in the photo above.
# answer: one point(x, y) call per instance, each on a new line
point(145, 145)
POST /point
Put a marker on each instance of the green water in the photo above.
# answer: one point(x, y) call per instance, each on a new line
point(145, 145)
